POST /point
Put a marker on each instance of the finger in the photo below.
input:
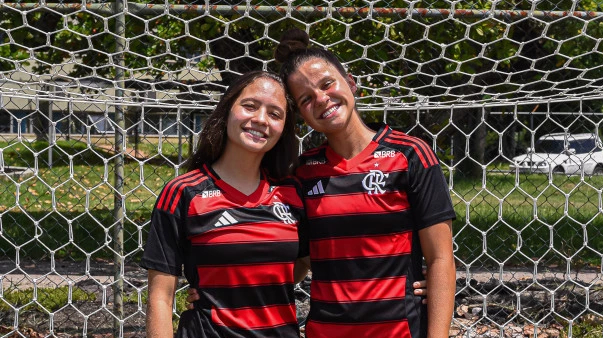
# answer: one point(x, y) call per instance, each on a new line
point(420, 284)
point(424, 272)
point(192, 298)
point(191, 291)
point(190, 306)
point(424, 301)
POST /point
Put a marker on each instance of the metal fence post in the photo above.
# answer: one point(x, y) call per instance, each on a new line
point(118, 206)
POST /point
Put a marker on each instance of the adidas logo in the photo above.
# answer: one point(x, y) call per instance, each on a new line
point(225, 219)
point(316, 189)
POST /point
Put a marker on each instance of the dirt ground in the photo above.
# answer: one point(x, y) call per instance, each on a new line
point(488, 304)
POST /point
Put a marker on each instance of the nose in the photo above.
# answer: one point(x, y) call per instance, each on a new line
point(261, 116)
point(322, 97)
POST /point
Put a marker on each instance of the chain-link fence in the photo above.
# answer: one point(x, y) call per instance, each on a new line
point(102, 102)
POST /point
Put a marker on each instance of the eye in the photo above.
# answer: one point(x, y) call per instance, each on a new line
point(249, 106)
point(275, 114)
point(304, 100)
point(327, 84)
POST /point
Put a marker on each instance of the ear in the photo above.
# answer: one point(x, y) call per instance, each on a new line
point(352, 83)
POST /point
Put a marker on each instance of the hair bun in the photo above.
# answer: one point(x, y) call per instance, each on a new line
point(292, 41)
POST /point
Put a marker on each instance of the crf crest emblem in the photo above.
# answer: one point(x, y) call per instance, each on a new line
point(281, 211)
point(374, 182)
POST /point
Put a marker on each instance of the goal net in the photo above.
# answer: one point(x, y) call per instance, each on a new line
point(102, 102)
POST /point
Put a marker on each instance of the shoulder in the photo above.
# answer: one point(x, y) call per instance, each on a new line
point(191, 179)
point(411, 146)
point(179, 187)
point(312, 163)
point(289, 184)
point(288, 189)
point(314, 156)
point(284, 181)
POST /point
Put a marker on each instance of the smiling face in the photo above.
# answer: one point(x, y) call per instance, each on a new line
point(324, 97)
point(257, 117)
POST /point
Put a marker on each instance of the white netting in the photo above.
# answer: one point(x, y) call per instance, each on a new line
point(100, 103)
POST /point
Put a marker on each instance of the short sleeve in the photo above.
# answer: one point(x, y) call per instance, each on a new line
point(163, 248)
point(428, 192)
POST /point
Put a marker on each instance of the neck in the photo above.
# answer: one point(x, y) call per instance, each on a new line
point(352, 140)
point(242, 172)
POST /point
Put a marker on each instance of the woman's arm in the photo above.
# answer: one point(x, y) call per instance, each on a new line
point(301, 268)
point(436, 242)
point(162, 287)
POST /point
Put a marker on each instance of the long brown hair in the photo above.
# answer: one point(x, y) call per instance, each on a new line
point(278, 161)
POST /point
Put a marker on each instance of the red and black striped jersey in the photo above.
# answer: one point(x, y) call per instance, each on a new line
point(237, 250)
point(364, 215)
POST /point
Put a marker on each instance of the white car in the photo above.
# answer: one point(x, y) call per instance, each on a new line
point(562, 153)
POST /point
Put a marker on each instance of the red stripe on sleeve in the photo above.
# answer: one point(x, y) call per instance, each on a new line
point(415, 147)
point(365, 246)
point(252, 233)
point(329, 330)
point(426, 148)
point(421, 148)
point(255, 318)
point(356, 204)
point(169, 189)
point(181, 189)
point(378, 138)
point(363, 290)
point(245, 275)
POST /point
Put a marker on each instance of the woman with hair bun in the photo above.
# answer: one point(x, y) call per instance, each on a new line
point(377, 203)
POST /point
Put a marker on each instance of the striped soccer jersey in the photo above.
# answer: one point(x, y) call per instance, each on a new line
point(238, 250)
point(364, 215)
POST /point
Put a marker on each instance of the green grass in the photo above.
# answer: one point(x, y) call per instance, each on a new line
point(517, 220)
point(67, 210)
point(48, 299)
point(23, 154)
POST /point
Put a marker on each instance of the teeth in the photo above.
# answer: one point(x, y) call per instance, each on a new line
point(255, 133)
point(329, 112)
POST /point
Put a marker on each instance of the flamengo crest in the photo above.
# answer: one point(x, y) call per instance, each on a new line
point(281, 211)
point(374, 182)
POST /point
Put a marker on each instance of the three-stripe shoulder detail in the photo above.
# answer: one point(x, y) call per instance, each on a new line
point(424, 152)
point(173, 191)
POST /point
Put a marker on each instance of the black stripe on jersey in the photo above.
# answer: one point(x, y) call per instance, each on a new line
point(247, 296)
point(360, 268)
point(286, 331)
point(358, 312)
point(352, 184)
point(247, 253)
point(361, 225)
point(199, 224)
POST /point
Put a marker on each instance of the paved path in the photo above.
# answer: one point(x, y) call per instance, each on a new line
point(43, 274)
